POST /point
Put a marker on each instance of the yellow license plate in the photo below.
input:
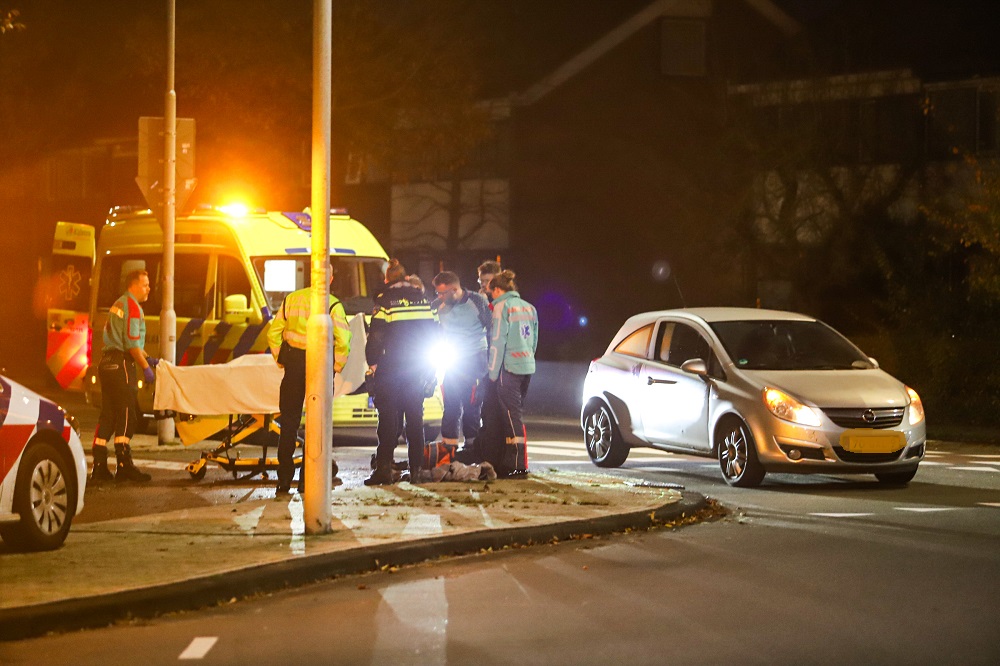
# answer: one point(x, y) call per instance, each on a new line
point(872, 441)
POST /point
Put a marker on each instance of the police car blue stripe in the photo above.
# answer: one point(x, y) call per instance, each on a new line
point(50, 417)
point(5, 392)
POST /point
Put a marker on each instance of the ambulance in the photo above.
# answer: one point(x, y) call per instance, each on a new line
point(67, 294)
point(232, 270)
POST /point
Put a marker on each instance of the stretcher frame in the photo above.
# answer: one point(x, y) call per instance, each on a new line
point(226, 456)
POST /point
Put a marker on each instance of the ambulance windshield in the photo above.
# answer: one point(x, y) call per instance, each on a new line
point(356, 280)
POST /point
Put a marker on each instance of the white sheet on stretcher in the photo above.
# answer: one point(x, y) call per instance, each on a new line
point(250, 384)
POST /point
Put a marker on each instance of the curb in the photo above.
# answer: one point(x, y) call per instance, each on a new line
point(102, 610)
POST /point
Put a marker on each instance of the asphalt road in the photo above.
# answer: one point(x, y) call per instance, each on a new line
point(803, 570)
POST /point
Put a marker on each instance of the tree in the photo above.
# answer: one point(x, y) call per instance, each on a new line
point(9, 21)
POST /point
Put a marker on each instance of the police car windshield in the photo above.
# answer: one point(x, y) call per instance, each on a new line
point(356, 280)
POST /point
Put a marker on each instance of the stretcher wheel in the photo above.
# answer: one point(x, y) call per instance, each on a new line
point(200, 474)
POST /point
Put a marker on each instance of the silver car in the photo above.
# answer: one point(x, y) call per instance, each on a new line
point(760, 390)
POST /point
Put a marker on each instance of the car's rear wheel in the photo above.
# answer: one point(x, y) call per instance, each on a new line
point(738, 454)
point(44, 498)
point(896, 478)
point(603, 439)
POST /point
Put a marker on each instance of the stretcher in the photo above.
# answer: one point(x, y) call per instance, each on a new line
point(238, 403)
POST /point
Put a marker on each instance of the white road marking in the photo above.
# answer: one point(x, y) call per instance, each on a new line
point(423, 524)
point(413, 622)
point(199, 647)
point(487, 520)
point(975, 469)
point(249, 520)
point(550, 451)
point(995, 505)
point(841, 515)
point(152, 464)
point(985, 462)
point(298, 525)
point(933, 462)
point(985, 455)
point(924, 509)
point(654, 469)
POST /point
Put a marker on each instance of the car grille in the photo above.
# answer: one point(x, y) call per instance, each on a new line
point(851, 457)
point(854, 417)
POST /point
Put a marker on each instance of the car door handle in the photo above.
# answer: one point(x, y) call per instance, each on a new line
point(650, 381)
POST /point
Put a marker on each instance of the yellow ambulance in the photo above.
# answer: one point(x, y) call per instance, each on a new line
point(232, 269)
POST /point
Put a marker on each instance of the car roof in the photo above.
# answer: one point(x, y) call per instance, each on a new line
point(716, 314)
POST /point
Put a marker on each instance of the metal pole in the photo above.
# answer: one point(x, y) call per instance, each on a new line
point(168, 318)
point(319, 333)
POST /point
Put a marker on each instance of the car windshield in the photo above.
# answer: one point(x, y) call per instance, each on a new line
point(788, 345)
point(356, 280)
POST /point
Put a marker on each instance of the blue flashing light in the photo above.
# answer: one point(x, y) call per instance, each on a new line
point(302, 220)
point(583, 321)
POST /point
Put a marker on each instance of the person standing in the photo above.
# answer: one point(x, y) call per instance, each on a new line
point(487, 270)
point(124, 342)
point(513, 341)
point(287, 339)
point(465, 320)
point(402, 331)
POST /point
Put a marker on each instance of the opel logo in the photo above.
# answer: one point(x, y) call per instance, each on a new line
point(868, 416)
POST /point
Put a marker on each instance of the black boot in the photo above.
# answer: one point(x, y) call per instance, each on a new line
point(381, 475)
point(127, 471)
point(101, 473)
point(415, 475)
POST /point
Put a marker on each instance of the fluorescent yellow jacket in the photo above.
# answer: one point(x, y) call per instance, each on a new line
point(291, 323)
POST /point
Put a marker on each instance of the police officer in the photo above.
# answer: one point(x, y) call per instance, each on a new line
point(465, 320)
point(402, 332)
point(124, 339)
point(287, 339)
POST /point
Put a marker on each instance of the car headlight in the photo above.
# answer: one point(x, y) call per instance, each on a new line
point(916, 407)
point(787, 408)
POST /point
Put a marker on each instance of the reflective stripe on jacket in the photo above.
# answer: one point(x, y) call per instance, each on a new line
point(291, 324)
point(402, 331)
point(513, 335)
point(125, 327)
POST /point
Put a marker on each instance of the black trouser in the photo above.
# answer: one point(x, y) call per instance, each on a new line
point(463, 398)
point(290, 401)
point(503, 439)
point(119, 401)
point(394, 394)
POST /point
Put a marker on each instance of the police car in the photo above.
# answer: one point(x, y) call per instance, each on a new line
point(43, 471)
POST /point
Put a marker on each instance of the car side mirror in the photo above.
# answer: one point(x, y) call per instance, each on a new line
point(695, 366)
point(236, 310)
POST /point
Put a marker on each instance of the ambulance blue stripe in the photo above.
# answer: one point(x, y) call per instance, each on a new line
point(184, 339)
point(50, 417)
point(342, 250)
point(214, 342)
point(247, 339)
point(297, 250)
point(5, 391)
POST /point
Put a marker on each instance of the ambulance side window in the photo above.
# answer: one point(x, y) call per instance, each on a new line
point(114, 270)
point(232, 280)
point(190, 286)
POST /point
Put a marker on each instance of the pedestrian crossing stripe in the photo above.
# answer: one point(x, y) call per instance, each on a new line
point(841, 515)
point(924, 509)
point(974, 469)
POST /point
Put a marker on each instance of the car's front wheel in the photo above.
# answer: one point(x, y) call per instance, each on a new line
point(738, 454)
point(896, 478)
point(44, 498)
point(603, 439)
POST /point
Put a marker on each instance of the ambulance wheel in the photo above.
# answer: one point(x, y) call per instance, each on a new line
point(44, 498)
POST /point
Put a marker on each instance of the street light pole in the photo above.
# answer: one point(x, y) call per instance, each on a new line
point(318, 454)
point(168, 317)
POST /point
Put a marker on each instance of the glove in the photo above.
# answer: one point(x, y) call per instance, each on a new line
point(152, 361)
point(148, 374)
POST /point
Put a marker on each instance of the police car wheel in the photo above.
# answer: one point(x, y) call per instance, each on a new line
point(44, 498)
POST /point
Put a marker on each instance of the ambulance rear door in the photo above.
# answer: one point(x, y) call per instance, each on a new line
point(67, 294)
